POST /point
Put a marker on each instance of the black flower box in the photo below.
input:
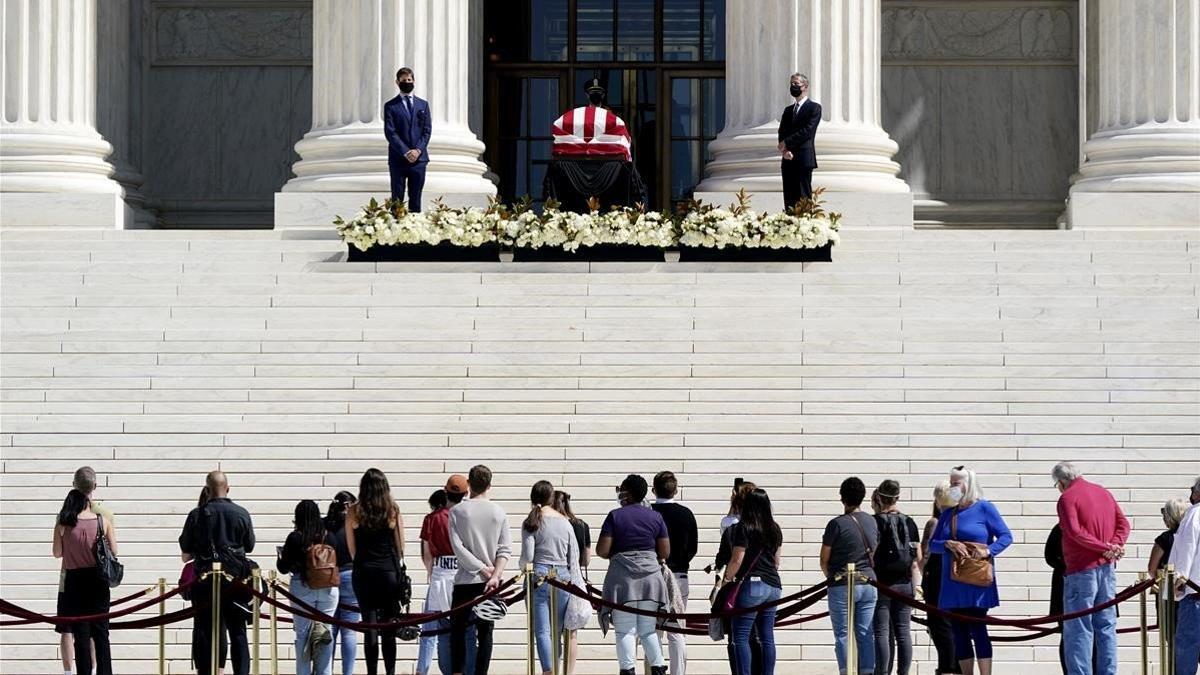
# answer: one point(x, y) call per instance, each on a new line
point(755, 255)
point(596, 253)
point(443, 252)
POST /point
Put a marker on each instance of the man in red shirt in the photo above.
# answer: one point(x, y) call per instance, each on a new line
point(441, 566)
point(1094, 531)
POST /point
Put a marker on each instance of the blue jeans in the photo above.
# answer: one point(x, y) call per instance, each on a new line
point(541, 615)
point(428, 647)
point(443, 647)
point(1095, 633)
point(326, 600)
point(755, 593)
point(1187, 635)
point(349, 638)
point(864, 616)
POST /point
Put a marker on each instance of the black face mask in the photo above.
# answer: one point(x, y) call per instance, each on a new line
point(596, 98)
point(796, 90)
point(406, 87)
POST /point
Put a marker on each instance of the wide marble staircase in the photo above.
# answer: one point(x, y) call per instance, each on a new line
point(157, 356)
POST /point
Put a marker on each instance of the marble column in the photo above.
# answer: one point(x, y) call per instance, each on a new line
point(836, 43)
point(52, 158)
point(1141, 164)
point(357, 47)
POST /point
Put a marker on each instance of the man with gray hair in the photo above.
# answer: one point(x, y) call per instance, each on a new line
point(1185, 556)
point(797, 131)
point(1094, 531)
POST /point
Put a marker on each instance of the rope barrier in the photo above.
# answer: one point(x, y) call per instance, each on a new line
point(9, 609)
point(694, 623)
point(592, 595)
point(1034, 623)
point(307, 611)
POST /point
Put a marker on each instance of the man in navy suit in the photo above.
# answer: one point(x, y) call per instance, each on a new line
point(407, 125)
point(797, 130)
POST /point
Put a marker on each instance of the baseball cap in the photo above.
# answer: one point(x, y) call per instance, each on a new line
point(457, 484)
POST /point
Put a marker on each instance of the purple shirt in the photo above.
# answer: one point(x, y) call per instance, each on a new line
point(634, 527)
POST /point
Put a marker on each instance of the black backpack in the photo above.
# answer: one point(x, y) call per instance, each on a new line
point(897, 551)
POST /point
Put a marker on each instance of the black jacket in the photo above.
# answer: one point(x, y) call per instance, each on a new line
point(682, 532)
point(228, 526)
point(798, 131)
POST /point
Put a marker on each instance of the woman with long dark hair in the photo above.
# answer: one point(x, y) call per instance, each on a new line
point(757, 541)
point(375, 537)
point(314, 582)
point(84, 592)
point(548, 541)
point(335, 524)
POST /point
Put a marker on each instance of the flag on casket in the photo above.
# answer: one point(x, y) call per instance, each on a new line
point(591, 131)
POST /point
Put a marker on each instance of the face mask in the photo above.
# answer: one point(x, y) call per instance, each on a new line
point(406, 87)
point(796, 90)
point(956, 494)
point(596, 98)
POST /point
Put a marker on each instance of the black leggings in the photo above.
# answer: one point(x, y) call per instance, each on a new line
point(378, 593)
point(966, 633)
point(86, 593)
point(458, 632)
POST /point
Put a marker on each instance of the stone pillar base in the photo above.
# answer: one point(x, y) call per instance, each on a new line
point(1134, 210)
point(65, 209)
point(858, 209)
point(316, 210)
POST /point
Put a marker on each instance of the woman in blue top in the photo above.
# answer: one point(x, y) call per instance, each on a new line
point(977, 521)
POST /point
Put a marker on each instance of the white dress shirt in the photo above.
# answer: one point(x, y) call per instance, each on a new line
point(1185, 552)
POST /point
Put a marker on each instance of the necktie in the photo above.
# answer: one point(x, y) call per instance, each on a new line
point(408, 105)
point(796, 110)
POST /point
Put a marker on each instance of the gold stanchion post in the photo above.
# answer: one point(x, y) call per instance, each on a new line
point(273, 578)
point(554, 627)
point(851, 637)
point(215, 647)
point(162, 628)
point(1163, 622)
point(1144, 632)
point(530, 587)
point(255, 609)
point(1169, 614)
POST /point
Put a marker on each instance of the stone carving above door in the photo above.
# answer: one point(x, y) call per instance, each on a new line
point(988, 32)
point(274, 34)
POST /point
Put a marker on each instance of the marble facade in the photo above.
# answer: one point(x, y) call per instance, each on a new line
point(956, 112)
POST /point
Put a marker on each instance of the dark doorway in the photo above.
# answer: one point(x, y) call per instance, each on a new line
point(662, 61)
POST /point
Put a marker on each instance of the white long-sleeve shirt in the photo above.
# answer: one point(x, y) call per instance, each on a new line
point(1185, 552)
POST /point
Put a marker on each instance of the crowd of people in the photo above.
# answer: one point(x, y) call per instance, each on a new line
point(349, 564)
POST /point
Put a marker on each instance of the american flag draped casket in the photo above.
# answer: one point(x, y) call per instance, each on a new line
point(591, 131)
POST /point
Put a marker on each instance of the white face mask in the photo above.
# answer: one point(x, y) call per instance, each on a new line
point(956, 494)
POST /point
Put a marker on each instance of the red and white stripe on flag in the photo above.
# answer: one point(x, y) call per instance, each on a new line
point(589, 131)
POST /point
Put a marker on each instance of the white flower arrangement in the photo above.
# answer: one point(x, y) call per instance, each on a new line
point(805, 226)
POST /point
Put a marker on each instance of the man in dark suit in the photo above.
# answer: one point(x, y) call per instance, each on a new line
point(407, 125)
point(797, 130)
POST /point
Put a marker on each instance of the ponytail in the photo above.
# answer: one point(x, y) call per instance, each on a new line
point(541, 495)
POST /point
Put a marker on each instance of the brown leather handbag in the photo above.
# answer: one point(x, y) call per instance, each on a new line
point(972, 571)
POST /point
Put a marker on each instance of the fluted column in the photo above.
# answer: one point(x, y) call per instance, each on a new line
point(837, 44)
point(52, 159)
point(1141, 163)
point(357, 47)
